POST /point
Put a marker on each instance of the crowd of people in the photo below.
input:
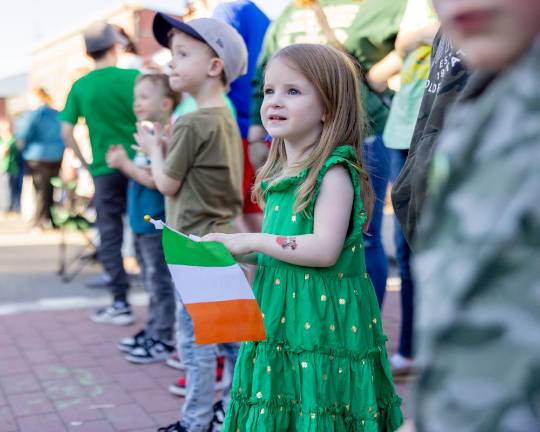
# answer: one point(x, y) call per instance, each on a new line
point(280, 140)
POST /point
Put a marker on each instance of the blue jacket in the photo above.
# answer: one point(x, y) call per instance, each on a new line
point(40, 130)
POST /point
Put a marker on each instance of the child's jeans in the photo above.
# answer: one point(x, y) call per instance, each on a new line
point(200, 363)
point(403, 256)
point(378, 166)
point(158, 282)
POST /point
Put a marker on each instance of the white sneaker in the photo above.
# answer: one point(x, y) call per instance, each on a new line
point(175, 362)
point(401, 365)
point(117, 314)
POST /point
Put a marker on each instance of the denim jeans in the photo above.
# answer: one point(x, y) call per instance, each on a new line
point(200, 363)
point(377, 165)
point(110, 203)
point(158, 282)
point(403, 255)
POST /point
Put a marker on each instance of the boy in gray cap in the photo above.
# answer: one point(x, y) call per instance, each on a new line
point(104, 97)
point(200, 176)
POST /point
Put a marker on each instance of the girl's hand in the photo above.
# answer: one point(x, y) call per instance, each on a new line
point(147, 138)
point(116, 156)
point(237, 244)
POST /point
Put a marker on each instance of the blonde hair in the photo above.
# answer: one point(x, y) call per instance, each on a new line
point(335, 77)
point(161, 80)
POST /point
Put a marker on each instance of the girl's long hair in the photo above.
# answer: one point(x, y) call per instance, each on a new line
point(335, 76)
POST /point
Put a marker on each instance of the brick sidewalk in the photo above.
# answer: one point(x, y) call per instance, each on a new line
point(61, 372)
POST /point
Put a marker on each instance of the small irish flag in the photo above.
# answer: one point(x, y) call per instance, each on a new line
point(214, 290)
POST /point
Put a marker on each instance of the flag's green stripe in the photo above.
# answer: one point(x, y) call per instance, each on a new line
point(184, 251)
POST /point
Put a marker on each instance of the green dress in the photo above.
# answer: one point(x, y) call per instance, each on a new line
point(323, 366)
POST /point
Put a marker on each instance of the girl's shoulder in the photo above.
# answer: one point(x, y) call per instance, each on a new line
point(342, 155)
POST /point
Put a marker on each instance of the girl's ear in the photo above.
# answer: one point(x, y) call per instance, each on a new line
point(216, 67)
point(323, 119)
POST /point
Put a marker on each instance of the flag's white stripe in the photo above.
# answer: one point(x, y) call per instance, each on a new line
point(210, 284)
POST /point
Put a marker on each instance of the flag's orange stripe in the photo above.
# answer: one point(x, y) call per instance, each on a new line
point(227, 321)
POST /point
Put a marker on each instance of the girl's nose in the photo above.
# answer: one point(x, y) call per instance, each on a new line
point(275, 102)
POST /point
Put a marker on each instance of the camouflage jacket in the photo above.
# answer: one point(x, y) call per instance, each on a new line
point(478, 262)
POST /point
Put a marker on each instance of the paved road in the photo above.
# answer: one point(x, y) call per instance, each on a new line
point(61, 372)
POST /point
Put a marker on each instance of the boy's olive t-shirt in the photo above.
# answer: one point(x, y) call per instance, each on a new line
point(104, 97)
point(205, 154)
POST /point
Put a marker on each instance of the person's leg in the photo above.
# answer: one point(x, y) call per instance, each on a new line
point(15, 185)
point(50, 170)
point(5, 196)
point(138, 245)
point(403, 256)
point(200, 364)
point(110, 203)
point(377, 165)
point(39, 179)
point(158, 282)
point(230, 352)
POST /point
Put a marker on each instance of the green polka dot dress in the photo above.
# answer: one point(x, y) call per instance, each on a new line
point(323, 366)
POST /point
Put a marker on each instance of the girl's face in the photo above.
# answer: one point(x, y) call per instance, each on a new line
point(292, 108)
point(148, 103)
point(491, 33)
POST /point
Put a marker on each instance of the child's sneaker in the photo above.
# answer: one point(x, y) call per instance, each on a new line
point(179, 387)
point(128, 344)
point(117, 314)
point(151, 351)
point(175, 427)
point(401, 366)
point(175, 362)
point(218, 419)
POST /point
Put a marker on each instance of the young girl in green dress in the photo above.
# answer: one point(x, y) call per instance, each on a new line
point(323, 366)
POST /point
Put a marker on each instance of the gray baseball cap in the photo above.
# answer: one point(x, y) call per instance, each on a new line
point(100, 36)
point(218, 35)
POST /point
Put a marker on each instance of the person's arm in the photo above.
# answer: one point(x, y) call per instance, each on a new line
point(408, 40)
point(322, 248)
point(118, 158)
point(70, 142)
point(379, 74)
point(150, 143)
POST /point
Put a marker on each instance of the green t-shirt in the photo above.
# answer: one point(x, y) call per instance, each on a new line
point(104, 97)
point(414, 74)
point(367, 29)
point(205, 153)
point(189, 105)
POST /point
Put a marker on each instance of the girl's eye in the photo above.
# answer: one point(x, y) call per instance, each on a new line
point(293, 92)
point(268, 91)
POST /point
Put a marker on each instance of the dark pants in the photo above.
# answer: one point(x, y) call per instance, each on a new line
point(158, 282)
point(110, 203)
point(42, 172)
point(377, 165)
point(403, 255)
point(15, 187)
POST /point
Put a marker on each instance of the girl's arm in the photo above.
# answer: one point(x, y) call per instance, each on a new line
point(320, 249)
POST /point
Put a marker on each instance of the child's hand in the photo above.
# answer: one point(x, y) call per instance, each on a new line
point(237, 244)
point(147, 138)
point(116, 156)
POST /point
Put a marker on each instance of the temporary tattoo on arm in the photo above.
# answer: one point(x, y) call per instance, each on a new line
point(286, 242)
